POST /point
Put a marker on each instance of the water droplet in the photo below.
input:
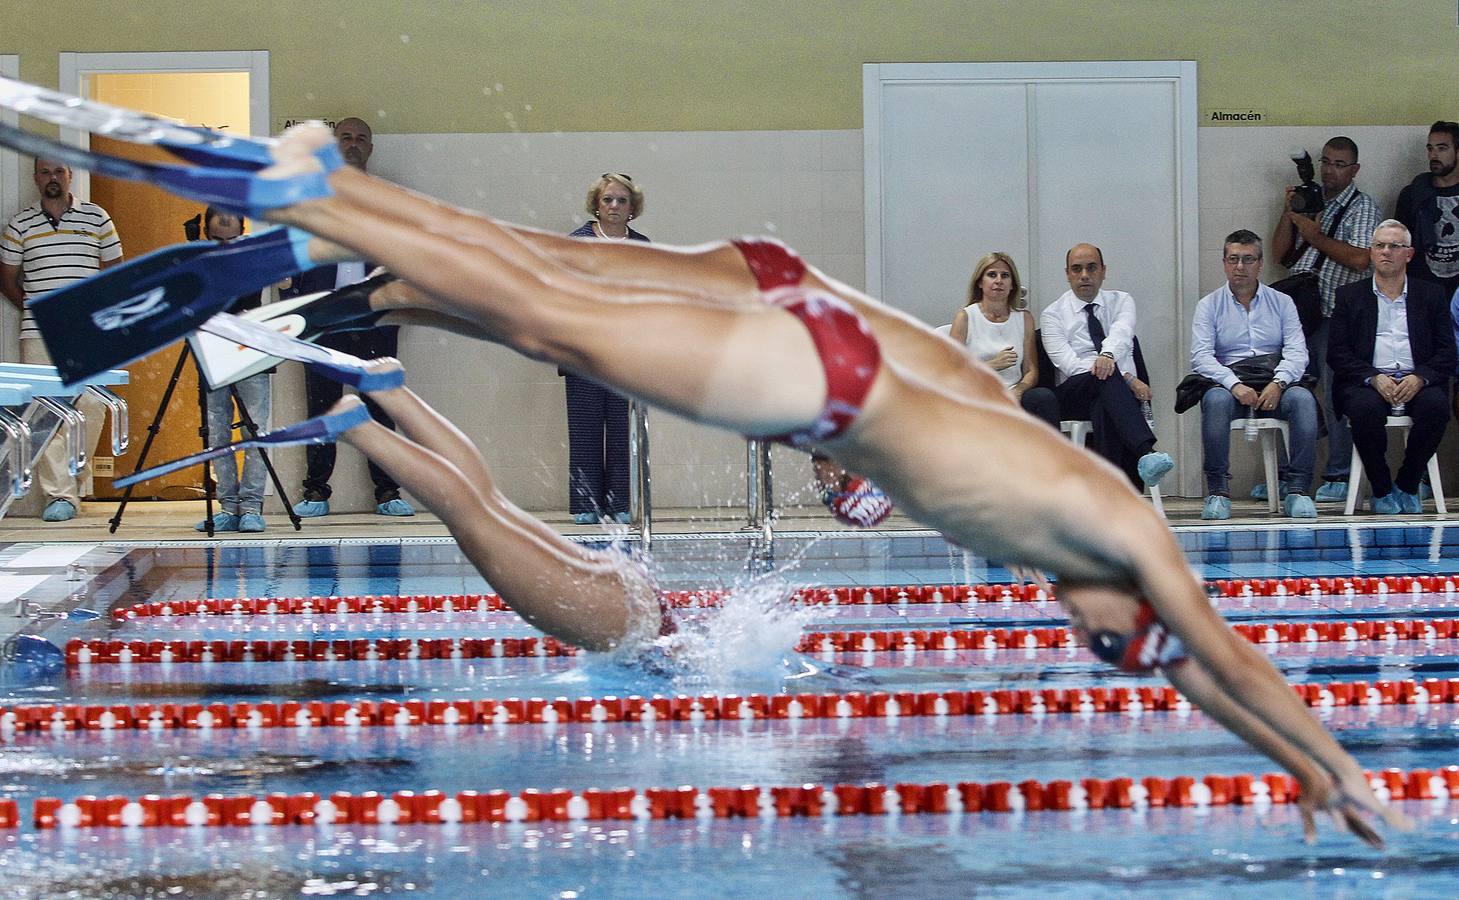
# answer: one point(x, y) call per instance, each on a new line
point(380, 113)
point(405, 39)
point(527, 107)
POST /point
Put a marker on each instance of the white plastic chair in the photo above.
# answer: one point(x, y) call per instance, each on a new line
point(1355, 470)
point(1078, 431)
point(1269, 429)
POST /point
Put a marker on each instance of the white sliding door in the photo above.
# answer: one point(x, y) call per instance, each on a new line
point(1031, 158)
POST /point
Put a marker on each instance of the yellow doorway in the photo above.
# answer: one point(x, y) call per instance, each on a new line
point(148, 218)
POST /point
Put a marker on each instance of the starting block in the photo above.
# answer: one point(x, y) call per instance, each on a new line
point(35, 407)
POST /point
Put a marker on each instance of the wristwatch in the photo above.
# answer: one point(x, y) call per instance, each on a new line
point(1280, 383)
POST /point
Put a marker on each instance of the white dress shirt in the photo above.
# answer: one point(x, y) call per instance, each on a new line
point(1224, 332)
point(1065, 333)
point(1392, 354)
point(348, 273)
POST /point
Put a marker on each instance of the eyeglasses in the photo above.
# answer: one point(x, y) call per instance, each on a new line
point(619, 175)
point(1245, 260)
point(1335, 163)
point(1389, 245)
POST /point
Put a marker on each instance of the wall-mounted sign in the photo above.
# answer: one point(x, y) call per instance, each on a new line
point(1234, 117)
point(291, 121)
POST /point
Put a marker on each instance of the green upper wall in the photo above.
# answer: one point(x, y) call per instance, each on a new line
point(641, 65)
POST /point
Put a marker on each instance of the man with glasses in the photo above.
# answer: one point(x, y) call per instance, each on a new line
point(1429, 207)
point(1333, 247)
point(1392, 353)
point(1247, 339)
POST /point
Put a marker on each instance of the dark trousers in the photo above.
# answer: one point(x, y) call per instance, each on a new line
point(1121, 434)
point(321, 393)
point(1368, 414)
point(597, 448)
point(1041, 403)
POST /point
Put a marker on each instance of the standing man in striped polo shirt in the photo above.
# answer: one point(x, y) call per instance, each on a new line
point(45, 247)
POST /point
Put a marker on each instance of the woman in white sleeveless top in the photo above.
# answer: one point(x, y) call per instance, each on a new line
point(998, 329)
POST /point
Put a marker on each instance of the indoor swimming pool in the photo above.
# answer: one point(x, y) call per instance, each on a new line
point(854, 721)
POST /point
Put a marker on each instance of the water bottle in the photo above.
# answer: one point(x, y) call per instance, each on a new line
point(1148, 411)
point(1399, 409)
point(1251, 431)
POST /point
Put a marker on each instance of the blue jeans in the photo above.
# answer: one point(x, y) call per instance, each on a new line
point(1339, 435)
point(1219, 408)
point(235, 496)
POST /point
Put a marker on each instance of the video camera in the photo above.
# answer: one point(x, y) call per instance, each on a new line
point(1307, 197)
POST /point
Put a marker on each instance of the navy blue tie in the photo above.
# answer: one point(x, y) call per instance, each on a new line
point(1096, 330)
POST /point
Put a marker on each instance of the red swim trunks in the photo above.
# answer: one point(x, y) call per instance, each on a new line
point(849, 353)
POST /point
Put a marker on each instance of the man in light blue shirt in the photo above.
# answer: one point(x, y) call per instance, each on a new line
point(1245, 324)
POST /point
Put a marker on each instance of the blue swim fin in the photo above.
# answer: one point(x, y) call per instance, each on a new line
point(324, 429)
point(194, 144)
point(233, 189)
point(332, 364)
point(130, 310)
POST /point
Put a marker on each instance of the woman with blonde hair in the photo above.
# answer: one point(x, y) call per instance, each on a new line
point(998, 329)
point(597, 418)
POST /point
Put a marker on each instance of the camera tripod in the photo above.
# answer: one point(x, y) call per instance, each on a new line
point(245, 420)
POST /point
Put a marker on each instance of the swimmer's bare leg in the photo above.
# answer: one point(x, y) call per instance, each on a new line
point(597, 601)
point(753, 369)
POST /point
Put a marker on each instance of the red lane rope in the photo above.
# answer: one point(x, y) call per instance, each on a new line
point(818, 596)
point(688, 802)
point(87, 652)
point(69, 717)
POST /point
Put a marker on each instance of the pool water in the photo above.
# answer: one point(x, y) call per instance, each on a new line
point(751, 649)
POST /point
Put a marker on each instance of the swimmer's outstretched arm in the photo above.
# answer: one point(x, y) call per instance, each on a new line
point(1238, 685)
point(592, 599)
point(1192, 680)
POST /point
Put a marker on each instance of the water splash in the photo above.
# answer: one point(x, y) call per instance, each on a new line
point(746, 644)
point(749, 637)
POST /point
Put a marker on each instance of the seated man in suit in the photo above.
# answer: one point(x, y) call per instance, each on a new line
point(1391, 349)
point(1247, 338)
point(1089, 334)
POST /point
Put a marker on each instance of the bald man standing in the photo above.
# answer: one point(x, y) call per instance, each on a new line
point(356, 143)
point(54, 244)
point(1089, 334)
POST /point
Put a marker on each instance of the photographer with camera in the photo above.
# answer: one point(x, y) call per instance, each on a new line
point(1323, 236)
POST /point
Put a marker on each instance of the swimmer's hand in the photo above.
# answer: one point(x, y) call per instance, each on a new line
point(1030, 575)
point(1349, 802)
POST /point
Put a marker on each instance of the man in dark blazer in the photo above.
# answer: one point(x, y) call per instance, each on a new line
point(1391, 346)
point(355, 144)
